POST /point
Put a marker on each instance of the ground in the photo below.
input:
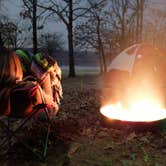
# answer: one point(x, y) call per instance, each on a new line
point(80, 136)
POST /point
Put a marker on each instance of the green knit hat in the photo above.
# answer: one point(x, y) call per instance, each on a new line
point(24, 58)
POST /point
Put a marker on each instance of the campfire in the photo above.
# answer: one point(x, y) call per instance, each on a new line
point(143, 111)
point(136, 86)
point(137, 105)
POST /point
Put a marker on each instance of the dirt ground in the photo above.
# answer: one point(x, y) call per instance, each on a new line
point(80, 136)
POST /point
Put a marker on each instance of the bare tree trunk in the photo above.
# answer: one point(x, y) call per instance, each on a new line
point(15, 42)
point(34, 25)
point(123, 26)
point(141, 17)
point(137, 24)
point(100, 62)
point(1, 41)
point(70, 41)
point(100, 47)
point(103, 57)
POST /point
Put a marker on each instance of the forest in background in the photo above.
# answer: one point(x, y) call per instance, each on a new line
point(101, 26)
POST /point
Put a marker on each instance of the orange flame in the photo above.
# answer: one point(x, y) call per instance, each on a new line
point(143, 111)
point(137, 95)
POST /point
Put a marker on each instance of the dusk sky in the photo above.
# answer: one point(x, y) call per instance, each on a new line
point(14, 10)
point(14, 7)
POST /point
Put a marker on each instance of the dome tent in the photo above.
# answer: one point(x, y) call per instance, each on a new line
point(137, 59)
point(136, 66)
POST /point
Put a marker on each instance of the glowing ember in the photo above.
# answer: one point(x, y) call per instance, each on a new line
point(143, 111)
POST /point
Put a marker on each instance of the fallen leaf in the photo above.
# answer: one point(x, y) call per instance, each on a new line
point(87, 132)
point(73, 148)
point(109, 147)
point(144, 139)
point(163, 151)
point(131, 136)
point(102, 134)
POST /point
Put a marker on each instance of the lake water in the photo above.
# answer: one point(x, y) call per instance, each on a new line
point(82, 70)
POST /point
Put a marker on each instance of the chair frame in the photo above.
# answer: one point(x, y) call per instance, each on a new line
point(10, 133)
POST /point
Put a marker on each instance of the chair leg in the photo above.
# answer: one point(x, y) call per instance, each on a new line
point(47, 115)
point(13, 134)
point(8, 135)
point(46, 141)
point(48, 132)
point(18, 128)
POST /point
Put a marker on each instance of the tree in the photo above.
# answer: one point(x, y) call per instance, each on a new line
point(140, 4)
point(126, 20)
point(138, 11)
point(34, 25)
point(51, 42)
point(155, 28)
point(119, 19)
point(1, 40)
point(68, 11)
point(90, 33)
point(13, 33)
point(8, 32)
point(1, 21)
point(30, 11)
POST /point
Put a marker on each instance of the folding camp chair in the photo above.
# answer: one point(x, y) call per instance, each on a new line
point(12, 133)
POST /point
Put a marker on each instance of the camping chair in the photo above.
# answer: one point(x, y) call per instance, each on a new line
point(17, 95)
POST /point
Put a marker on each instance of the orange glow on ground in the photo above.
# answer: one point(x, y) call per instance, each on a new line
point(142, 111)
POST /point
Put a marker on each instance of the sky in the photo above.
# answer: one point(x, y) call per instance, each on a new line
point(13, 8)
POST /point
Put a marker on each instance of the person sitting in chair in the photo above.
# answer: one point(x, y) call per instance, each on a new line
point(11, 78)
point(46, 71)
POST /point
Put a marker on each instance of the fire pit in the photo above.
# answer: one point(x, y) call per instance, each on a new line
point(142, 115)
point(135, 87)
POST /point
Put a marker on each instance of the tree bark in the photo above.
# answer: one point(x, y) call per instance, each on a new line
point(70, 41)
point(101, 62)
point(34, 25)
point(139, 26)
point(141, 17)
point(138, 22)
point(100, 48)
point(104, 59)
point(1, 41)
point(123, 26)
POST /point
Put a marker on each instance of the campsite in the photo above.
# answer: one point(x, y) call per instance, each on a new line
point(81, 138)
point(82, 83)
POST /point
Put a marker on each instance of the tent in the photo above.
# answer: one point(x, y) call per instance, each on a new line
point(139, 60)
point(135, 68)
